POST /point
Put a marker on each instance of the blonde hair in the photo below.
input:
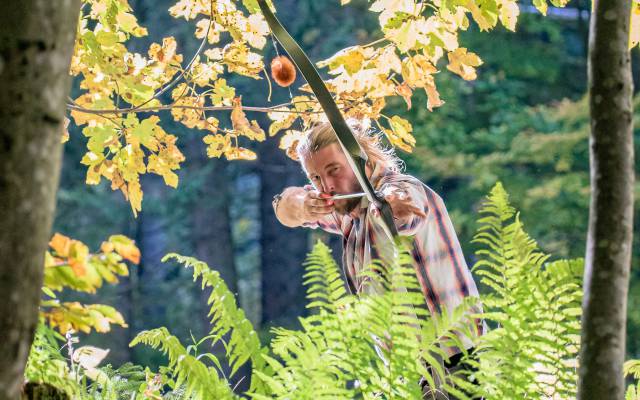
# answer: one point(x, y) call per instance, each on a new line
point(323, 135)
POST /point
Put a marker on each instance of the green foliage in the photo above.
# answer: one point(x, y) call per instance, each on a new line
point(376, 345)
point(46, 363)
point(226, 318)
point(632, 368)
point(201, 381)
point(536, 305)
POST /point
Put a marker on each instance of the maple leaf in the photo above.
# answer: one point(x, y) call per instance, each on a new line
point(238, 58)
point(400, 133)
point(433, 97)
point(217, 144)
point(282, 118)
point(60, 244)
point(255, 30)
point(65, 130)
point(214, 32)
point(349, 60)
point(417, 71)
point(463, 63)
point(509, 12)
point(485, 12)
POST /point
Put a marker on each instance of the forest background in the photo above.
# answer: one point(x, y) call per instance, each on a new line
point(523, 121)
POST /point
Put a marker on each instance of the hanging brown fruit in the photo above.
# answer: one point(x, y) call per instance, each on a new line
point(283, 71)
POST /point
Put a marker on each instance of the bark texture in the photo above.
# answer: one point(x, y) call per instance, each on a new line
point(36, 41)
point(608, 254)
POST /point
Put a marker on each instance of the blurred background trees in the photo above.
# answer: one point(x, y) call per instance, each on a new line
point(523, 121)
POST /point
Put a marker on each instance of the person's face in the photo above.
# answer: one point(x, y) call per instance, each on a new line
point(329, 171)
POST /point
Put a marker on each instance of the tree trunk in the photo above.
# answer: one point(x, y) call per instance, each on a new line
point(36, 41)
point(608, 255)
point(211, 232)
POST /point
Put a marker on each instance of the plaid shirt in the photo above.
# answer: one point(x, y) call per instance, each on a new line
point(440, 266)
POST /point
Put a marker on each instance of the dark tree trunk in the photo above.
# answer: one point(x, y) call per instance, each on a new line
point(148, 278)
point(283, 249)
point(36, 41)
point(608, 255)
point(211, 234)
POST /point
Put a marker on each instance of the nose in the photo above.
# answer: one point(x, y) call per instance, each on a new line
point(327, 185)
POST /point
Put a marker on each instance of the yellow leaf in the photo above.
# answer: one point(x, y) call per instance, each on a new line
point(255, 31)
point(216, 144)
point(166, 53)
point(65, 130)
point(485, 16)
point(541, 5)
point(134, 194)
point(125, 247)
point(60, 244)
point(433, 97)
point(349, 60)
point(509, 12)
point(242, 125)
point(405, 37)
point(400, 133)
point(77, 257)
point(417, 70)
point(238, 58)
point(240, 153)
point(289, 142)
point(214, 31)
point(281, 120)
point(405, 91)
point(463, 63)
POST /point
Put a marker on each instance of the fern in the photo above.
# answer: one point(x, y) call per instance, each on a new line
point(226, 317)
point(536, 306)
point(201, 381)
point(336, 354)
point(45, 363)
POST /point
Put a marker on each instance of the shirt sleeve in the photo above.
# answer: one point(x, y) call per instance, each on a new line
point(408, 226)
point(329, 223)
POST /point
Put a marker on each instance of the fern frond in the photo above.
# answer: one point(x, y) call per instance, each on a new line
point(536, 305)
point(226, 317)
point(200, 381)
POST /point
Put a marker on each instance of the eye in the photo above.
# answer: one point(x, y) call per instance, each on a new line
point(333, 170)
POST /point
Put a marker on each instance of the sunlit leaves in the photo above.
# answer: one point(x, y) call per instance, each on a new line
point(400, 133)
point(121, 147)
point(78, 317)
point(463, 63)
point(69, 264)
point(416, 37)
